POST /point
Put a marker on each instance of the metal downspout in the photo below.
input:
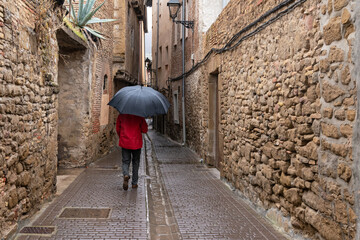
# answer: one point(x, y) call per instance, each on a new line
point(183, 72)
point(157, 44)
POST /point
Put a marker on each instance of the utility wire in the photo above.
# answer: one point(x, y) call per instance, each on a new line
point(228, 46)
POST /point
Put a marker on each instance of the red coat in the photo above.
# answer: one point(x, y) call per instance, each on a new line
point(129, 129)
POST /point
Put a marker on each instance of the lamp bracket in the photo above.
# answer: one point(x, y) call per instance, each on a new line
point(187, 24)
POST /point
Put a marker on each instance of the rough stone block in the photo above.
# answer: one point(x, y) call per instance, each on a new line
point(331, 92)
point(349, 29)
point(341, 213)
point(299, 183)
point(307, 174)
point(24, 179)
point(340, 114)
point(330, 130)
point(324, 65)
point(309, 151)
point(278, 189)
point(344, 172)
point(336, 55)
point(345, 17)
point(293, 196)
point(316, 202)
point(332, 31)
point(340, 149)
point(346, 130)
point(285, 180)
point(340, 4)
point(325, 226)
point(350, 114)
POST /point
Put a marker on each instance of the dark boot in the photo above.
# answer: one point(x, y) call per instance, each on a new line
point(126, 183)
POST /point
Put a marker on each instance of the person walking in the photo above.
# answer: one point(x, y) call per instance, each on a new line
point(129, 129)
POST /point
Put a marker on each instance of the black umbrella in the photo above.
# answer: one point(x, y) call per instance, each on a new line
point(140, 101)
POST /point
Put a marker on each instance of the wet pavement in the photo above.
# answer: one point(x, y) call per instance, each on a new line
point(177, 198)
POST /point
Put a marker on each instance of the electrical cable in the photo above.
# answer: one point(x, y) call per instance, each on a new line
point(228, 46)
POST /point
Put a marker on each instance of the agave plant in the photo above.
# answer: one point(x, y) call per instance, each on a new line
point(84, 16)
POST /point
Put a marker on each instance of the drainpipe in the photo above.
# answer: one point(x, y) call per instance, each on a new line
point(155, 118)
point(157, 44)
point(183, 72)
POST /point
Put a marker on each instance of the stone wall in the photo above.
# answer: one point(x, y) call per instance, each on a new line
point(40, 127)
point(287, 106)
point(74, 105)
point(356, 137)
point(83, 92)
point(28, 102)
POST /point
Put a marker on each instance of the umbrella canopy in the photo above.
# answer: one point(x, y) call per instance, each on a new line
point(140, 101)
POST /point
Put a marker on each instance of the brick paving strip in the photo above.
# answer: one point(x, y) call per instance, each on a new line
point(98, 187)
point(163, 225)
point(177, 198)
point(204, 207)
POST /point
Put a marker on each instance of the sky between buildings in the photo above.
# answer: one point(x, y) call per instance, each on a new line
point(148, 36)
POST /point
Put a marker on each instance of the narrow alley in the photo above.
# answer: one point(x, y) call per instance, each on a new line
point(253, 107)
point(178, 198)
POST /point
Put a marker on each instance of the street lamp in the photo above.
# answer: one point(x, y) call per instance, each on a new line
point(174, 7)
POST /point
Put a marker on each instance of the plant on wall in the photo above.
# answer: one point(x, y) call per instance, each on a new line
point(85, 16)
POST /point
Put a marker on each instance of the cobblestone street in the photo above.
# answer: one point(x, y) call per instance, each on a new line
point(177, 198)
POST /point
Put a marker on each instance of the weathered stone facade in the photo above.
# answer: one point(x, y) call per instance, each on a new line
point(129, 62)
point(85, 82)
point(28, 108)
point(276, 114)
point(53, 86)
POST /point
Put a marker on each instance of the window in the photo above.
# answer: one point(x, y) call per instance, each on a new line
point(167, 55)
point(105, 83)
point(176, 106)
point(160, 57)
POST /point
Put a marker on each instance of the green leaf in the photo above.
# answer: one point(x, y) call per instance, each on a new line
point(81, 7)
point(97, 20)
point(94, 32)
point(89, 5)
point(72, 13)
point(89, 16)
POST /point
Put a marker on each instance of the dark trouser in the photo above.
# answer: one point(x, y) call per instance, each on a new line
point(133, 156)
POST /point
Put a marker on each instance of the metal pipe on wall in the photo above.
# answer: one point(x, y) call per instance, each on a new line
point(157, 43)
point(183, 72)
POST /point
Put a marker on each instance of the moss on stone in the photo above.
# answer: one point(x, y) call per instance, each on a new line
point(74, 29)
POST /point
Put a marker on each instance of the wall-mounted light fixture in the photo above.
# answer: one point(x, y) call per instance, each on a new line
point(174, 7)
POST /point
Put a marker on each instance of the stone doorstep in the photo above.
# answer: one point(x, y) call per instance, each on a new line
point(65, 177)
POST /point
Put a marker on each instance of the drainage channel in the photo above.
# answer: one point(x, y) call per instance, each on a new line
point(162, 222)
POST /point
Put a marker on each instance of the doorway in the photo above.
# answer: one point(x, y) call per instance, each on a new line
point(73, 99)
point(213, 150)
